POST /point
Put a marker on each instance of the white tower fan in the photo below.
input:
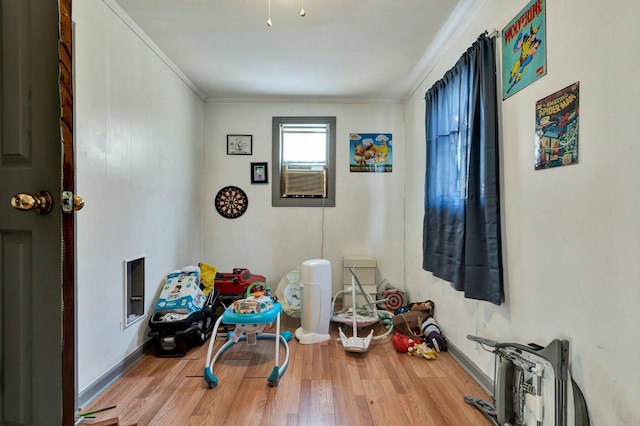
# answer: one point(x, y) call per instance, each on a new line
point(315, 301)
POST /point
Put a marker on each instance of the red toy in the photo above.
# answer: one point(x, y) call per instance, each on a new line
point(403, 343)
point(237, 282)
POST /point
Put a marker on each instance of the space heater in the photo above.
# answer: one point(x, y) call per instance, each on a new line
point(315, 301)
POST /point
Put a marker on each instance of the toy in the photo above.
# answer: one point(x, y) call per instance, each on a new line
point(427, 306)
point(402, 343)
point(410, 323)
point(237, 282)
point(412, 346)
point(433, 336)
point(251, 316)
point(207, 276)
point(422, 350)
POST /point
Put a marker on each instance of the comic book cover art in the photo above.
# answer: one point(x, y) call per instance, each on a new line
point(557, 128)
point(371, 152)
point(524, 52)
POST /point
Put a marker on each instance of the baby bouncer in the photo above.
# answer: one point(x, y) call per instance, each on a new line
point(366, 316)
point(250, 317)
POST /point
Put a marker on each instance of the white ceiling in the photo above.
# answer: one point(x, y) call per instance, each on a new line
point(341, 49)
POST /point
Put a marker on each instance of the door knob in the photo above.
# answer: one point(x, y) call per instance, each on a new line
point(41, 202)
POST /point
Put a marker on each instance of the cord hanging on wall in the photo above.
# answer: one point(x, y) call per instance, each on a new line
point(303, 12)
point(269, 19)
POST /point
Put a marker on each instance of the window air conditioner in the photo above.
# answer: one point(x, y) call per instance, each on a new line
point(304, 181)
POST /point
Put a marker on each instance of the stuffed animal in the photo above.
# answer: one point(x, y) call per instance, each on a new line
point(427, 306)
point(432, 335)
point(410, 323)
point(403, 343)
point(422, 350)
point(207, 277)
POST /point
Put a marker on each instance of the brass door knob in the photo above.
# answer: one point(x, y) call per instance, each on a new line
point(41, 201)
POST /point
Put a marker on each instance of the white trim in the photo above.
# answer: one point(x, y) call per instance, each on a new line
point(303, 101)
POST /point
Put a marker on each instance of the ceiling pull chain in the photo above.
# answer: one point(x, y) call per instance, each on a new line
point(302, 11)
point(269, 20)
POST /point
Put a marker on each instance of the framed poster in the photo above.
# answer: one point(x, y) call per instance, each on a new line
point(557, 128)
point(259, 173)
point(371, 152)
point(239, 144)
point(524, 52)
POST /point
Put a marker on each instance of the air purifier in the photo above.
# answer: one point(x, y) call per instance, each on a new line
point(315, 301)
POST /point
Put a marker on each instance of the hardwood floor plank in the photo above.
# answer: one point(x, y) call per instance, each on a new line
point(316, 403)
point(350, 406)
point(177, 409)
point(249, 405)
point(383, 403)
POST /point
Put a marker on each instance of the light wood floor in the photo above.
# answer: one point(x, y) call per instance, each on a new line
point(323, 385)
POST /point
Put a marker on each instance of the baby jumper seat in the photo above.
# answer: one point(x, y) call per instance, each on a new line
point(250, 317)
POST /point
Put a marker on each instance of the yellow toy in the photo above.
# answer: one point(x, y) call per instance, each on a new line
point(207, 277)
point(423, 351)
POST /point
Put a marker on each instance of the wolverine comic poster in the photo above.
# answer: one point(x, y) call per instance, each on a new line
point(524, 51)
point(557, 128)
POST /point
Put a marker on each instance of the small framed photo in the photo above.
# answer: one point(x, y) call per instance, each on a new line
point(259, 173)
point(239, 144)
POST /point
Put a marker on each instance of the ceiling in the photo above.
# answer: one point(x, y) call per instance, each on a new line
point(341, 49)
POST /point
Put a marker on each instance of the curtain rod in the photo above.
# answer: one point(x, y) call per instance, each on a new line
point(492, 32)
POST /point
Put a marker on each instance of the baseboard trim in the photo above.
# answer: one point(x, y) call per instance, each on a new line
point(485, 382)
point(107, 379)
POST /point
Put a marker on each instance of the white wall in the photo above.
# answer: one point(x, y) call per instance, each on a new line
point(271, 241)
point(139, 145)
point(571, 234)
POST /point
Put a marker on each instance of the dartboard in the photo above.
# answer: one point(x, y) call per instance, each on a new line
point(231, 202)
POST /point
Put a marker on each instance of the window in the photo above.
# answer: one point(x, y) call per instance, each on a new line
point(304, 156)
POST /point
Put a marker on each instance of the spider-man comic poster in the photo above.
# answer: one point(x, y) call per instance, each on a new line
point(557, 128)
point(524, 51)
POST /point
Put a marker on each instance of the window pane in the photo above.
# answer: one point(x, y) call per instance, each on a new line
point(306, 144)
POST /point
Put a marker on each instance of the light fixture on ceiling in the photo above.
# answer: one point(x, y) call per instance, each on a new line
point(303, 12)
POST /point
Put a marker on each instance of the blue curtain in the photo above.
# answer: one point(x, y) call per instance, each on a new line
point(461, 227)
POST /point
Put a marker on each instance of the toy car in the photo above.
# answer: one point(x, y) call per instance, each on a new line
point(237, 282)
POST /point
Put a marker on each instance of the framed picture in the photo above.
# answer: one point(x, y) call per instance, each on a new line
point(239, 144)
point(259, 173)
